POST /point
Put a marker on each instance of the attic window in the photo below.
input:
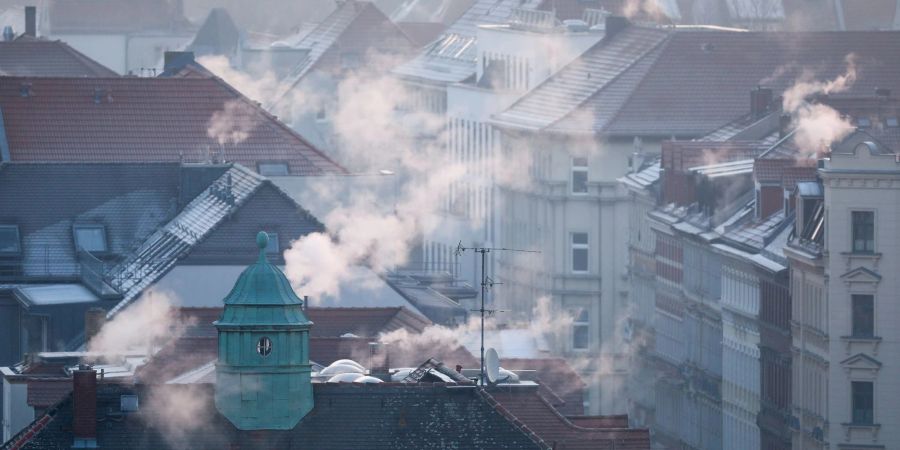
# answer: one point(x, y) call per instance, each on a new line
point(264, 346)
point(891, 122)
point(90, 238)
point(273, 169)
point(9, 240)
point(863, 122)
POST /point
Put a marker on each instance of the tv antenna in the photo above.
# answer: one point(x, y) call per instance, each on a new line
point(486, 283)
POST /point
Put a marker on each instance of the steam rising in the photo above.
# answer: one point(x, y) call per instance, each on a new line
point(144, 326)
point(231, 125)
point(818, 125)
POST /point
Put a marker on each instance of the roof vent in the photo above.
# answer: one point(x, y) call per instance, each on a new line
point(707, 47)
point(25, 90)
point(128, 403)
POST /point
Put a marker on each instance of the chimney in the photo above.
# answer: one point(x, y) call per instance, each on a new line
point(615, 24)
point(94, 319)
point(175, 61)
point(784, 125)
point(380, 366)
point(84, 420)
point(31, 21)
point(760, 100)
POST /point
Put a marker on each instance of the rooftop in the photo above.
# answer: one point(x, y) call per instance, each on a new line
point(695, 80)
point(131, 119)
point(32, 57)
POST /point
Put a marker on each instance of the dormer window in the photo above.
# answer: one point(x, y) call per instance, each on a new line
point(264, 346)
point(90, 238)
point(9, 240)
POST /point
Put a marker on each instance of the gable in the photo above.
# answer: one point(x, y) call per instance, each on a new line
point(861, 365)
point(861, 277)
point(268, 209)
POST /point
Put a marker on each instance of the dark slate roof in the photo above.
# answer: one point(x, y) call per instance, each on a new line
point(131, 119)
point(345, 416)
point(217, 36)
point(46, 200)
point(43, 58)
point(114, 16)
point(696, 81)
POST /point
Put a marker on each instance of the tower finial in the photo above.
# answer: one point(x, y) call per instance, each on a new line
point(262, 241)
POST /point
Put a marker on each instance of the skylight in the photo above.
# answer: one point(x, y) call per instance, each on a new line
point(9, 240)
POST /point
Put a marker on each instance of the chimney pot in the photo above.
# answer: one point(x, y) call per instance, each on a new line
point(84, 421)
point(31, 21)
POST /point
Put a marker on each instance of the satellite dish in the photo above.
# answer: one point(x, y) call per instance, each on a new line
point(492, 365)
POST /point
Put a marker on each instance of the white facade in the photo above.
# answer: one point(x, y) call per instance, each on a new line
point(138, 54)
point(846, 343)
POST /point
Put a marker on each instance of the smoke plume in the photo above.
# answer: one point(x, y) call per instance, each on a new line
point(817, 125)
point(142, 327)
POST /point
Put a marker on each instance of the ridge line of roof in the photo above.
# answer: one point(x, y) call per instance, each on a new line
point(664, 41)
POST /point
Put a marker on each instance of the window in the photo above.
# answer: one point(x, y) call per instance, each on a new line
point(272, 247)
point(863, 122)
point(579, 175)
point(9, 240)
point(863, 231)
point(579, 252)
point(580, 331)
point(273, 169)
point(264, 346)
point(863, 402)
point(892, 122)
point(90, 238)
point(863, 315)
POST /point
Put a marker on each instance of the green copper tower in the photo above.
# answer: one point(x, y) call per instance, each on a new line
point(263, 373)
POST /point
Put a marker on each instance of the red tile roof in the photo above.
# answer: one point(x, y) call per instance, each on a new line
point(42, 58)
point(364, 322)
point(559, 432)
point(132, 119)
point(559, 383)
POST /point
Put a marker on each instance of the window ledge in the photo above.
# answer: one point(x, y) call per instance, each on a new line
point(872, 426)
point(872, 339)
point(862, 255)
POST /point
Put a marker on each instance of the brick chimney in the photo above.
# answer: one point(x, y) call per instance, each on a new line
point(31, 21)
point(84, 420)
point(614, 25)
